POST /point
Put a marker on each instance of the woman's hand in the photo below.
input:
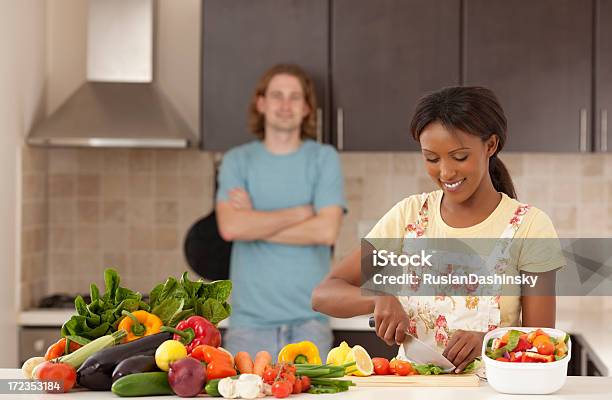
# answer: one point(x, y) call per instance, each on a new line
point(391, 319)
point(463, 347)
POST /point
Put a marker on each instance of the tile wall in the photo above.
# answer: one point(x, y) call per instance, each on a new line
point(85, 209)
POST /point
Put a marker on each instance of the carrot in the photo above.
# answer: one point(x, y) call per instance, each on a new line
point(262, 359)
point(243, 362)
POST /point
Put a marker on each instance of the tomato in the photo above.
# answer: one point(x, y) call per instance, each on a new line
point(56, 371)
point(381, 366)
point(545, 347)
point(305, 383)
point(281, 389)
point(541, 339)
point(270, 375)
point(404, 368)
point(533, 335)
point(393, 365)
point(288, 376)
point(297, 386)
point(504, 359)
point(219, 369)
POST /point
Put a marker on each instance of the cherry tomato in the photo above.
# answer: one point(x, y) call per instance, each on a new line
point(404, 368)
point(56, 371)
point(393, 365)
point(297, 386)
point(219, 369)
point(545, 347)
point(305, 383)
point(270, 375)
point(504, 359)
point(288, 376)
point(281, 389)
point(381, 366)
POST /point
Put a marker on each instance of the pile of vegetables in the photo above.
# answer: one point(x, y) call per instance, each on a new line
point(534, 347)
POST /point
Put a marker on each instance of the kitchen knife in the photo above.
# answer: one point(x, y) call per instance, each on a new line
point(414, 350)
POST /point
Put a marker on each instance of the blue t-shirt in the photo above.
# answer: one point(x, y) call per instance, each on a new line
point(272, 283)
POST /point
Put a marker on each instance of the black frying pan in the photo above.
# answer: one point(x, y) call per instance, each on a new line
point(205, 250)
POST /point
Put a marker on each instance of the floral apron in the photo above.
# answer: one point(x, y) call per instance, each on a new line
point(433, 319)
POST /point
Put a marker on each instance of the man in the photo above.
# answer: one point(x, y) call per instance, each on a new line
point(281, 201)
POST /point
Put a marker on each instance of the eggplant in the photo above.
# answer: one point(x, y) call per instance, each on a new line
point(97, 371)
point(135, 365)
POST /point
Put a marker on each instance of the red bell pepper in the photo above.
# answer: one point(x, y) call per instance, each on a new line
point(195, 331)
point(535, 357)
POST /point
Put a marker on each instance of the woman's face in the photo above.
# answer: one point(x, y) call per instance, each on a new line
point(457, 161)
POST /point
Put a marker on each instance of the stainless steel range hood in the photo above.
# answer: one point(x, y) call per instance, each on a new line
point(119, 105)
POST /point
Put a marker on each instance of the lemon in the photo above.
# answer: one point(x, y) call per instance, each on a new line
point(337, 355)
point(363, 363)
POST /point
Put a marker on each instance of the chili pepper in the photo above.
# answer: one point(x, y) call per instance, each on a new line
point(60, 348)
point(304, 352)
point(139, 323)
point(195, 331)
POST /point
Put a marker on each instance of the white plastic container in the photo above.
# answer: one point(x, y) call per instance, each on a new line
point(526, 378)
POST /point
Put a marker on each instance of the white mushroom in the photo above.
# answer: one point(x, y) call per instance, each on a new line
point(227, 388)
point(249, 386)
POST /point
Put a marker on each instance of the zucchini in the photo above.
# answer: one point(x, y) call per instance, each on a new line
point(142, 384)
point(212, 388)
point(78, 357)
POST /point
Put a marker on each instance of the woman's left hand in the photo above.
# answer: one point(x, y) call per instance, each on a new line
point(463, 347)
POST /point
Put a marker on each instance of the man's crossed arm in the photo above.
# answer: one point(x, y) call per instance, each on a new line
point(238, 220)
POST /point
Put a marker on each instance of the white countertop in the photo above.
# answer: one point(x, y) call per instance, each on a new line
point(57, 316)
point(595, 327)
point(584, 388)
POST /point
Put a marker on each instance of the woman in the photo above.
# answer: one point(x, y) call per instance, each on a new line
point(461, 130)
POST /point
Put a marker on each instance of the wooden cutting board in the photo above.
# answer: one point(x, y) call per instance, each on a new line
point(445, 380)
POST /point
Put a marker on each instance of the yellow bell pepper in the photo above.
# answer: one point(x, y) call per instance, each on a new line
point(304, 352)
point(139, 323)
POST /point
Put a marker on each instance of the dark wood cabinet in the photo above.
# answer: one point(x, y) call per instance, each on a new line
point(537, 57)
point(603, 75)
point(243, 38)
point(549, 62)
point(385, 55)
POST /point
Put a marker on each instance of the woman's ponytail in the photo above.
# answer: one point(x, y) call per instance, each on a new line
point(501, 177)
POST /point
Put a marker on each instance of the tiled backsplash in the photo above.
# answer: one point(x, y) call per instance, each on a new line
point(86, 209)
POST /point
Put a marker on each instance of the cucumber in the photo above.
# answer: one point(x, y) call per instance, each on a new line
point(142, 384)
point(78, 357)
point(212, 388)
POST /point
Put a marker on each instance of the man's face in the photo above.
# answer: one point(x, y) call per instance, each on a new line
point(283, 105)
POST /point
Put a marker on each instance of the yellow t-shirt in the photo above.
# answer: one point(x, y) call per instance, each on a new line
point(534, 255)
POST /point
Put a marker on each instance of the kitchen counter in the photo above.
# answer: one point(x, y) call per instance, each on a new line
point(50, 317)
point(585, 388)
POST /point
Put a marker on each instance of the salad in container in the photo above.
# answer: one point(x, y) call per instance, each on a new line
point(520, 360)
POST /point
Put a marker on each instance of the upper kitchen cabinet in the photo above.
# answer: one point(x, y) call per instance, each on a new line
point(385, 55)
point(243, 38)
point(603, 75)
point(537, 57)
